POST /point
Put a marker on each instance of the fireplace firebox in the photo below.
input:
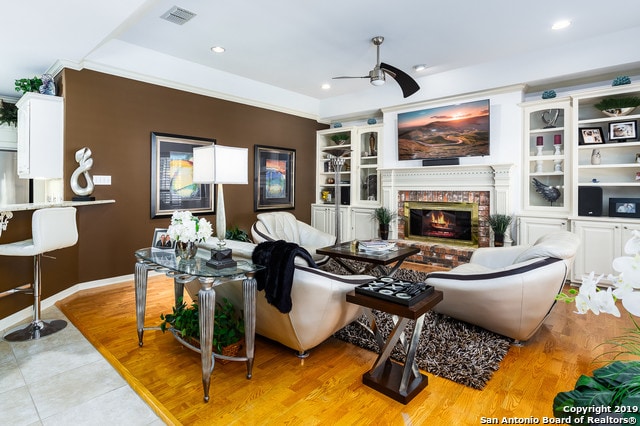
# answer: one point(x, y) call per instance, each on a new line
point(451, 223)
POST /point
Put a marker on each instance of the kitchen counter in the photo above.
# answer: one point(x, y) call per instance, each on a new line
point(6, 210)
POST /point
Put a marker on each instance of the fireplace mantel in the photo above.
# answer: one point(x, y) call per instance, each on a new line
point(492, 178)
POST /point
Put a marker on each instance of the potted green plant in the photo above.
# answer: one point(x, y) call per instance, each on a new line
point(8, 113)
point(614, 107)
point(384, 216)
point(237, 234)
point(26, 85)
point(228, 329)
point(340, 138)
point(499, 224)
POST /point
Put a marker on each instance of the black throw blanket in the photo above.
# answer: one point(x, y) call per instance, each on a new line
point(277, 278)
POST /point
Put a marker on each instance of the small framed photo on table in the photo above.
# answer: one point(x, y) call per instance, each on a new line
point(162, 240)
point(590, 136)
point(623, 131)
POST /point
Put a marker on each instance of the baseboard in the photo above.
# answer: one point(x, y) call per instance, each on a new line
point(27, 313)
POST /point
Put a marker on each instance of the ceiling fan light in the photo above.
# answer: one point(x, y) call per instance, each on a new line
point(377, 81)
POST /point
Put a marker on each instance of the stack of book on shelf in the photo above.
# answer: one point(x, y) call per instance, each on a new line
point(376, 246)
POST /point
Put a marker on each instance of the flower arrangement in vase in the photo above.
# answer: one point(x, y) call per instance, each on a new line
point(616, 384)
point(187, 230)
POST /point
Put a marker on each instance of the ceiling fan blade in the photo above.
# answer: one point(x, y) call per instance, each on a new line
point(344, 76)
point(407, 84)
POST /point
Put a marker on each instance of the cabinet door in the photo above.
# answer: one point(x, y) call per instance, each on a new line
point(532, 228)
point(600, 243)
point(324, 219)
point(362, 225)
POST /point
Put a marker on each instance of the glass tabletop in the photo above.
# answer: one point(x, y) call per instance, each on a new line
point(196, 266)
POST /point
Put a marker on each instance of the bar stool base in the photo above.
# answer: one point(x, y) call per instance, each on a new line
point(35, 331)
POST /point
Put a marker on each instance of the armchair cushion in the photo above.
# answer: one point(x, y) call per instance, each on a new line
point(561, 245)
point(284, 226)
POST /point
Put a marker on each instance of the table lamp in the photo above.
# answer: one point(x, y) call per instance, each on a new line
point(220, 165)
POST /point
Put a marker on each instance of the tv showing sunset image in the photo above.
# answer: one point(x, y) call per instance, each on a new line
point(451, 131)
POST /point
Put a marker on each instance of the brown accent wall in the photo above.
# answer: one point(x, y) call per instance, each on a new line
point(114, 117)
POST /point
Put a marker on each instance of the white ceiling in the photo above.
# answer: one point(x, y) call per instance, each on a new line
point(287, 49)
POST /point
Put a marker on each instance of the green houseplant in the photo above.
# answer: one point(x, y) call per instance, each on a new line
point(228, 326)
point(8, 113)
point(384, 216)
point(340, 138)
point(237, 234)
point(499, 224)
point(26, 85)
point(614, 107)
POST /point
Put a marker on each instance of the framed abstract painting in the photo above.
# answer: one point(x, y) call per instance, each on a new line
point(274, 178)
point(172, 186)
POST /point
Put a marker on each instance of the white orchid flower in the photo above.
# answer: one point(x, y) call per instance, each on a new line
point(630, 268)
point(633, 245)
point(605, 302)
point(631, 303)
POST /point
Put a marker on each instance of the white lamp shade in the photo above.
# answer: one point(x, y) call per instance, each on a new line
point(203, 164)
point(232, 165)
point(220, 164)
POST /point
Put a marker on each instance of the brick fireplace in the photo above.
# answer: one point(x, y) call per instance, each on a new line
point(482, 190)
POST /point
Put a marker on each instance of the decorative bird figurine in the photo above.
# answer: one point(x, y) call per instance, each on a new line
point(549, 193)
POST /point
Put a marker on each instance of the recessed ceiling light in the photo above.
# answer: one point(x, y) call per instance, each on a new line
point(326, 86)
point(419, 67)
point(559, 25)
point(218, 49)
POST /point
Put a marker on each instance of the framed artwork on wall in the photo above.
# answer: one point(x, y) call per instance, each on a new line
point(172, 186)
point(590, 136)
point(274, 178)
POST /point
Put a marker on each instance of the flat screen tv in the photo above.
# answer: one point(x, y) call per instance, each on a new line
point(445, 132)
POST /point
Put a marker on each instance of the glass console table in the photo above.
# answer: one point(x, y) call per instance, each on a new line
point(184, 271)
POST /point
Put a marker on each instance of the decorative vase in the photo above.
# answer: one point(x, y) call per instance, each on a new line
point(595, 157)
point(498, 240)
point(186, 250)
point(618, 112)
point(384, 231)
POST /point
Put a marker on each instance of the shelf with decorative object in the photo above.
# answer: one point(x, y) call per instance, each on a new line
point(357, 180)
point(547, 150)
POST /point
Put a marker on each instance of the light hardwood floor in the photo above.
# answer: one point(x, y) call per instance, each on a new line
point(326, 388)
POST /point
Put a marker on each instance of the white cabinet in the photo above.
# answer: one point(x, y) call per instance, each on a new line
point(358, 181)
point(601, 242)
point(40, 136)
point(546, 154)
point(532, 228)
point(8, 137)
point(358, 177)
point(363, 227)
point(323, 217)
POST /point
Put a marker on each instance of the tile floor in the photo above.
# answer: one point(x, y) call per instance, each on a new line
point(62, 380)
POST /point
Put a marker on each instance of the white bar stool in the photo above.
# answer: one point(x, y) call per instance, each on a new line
point(51, 229)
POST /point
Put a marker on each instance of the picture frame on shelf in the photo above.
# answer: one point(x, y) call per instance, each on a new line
point(590, 136)
point(624, 207)
point(274, 183)
point(172, 186)
point(623, 131)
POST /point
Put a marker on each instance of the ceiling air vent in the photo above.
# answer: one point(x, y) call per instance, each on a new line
point(178, 15)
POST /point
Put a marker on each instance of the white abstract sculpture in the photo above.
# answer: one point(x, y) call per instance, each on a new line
point(83, 157)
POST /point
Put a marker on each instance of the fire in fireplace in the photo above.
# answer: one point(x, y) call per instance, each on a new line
point(453, 223)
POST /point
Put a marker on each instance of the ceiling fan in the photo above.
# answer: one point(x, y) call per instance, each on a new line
point(377, 74)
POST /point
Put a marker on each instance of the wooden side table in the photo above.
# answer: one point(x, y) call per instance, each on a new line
point(397, 381)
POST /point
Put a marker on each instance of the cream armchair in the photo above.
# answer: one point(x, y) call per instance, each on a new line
point(284, 226)
point(319, 303)
point(509, 290)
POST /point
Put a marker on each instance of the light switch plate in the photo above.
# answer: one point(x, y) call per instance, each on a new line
point(101, 180)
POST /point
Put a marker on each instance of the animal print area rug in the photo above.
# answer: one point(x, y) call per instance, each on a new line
point(448, 348)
